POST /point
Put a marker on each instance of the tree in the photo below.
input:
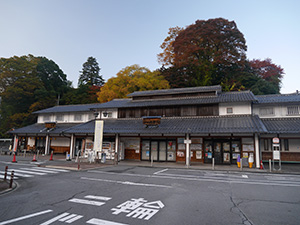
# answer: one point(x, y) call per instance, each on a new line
point(130, 79)
point(27, 84)
point(166, 58)
point(268, 71)
point(90, 73)
point(207, 49)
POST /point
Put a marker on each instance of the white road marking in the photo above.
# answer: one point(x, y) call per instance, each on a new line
point(25, 171)
point(126, 182)
point(39, 170)
point(55, 219)
point(244, 176)
point(8, 177)
point(88, 202)
point(52, 169)
point(25, 217)
point(197, 178)
point(71, 218)
point(74, 219)
point(97, 197)
point(96, 221)
point(161, 171)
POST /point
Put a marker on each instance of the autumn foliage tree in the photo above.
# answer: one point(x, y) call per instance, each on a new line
point(212, 52)
point(130, 79)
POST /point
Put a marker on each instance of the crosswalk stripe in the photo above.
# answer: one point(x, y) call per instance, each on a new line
point(67, 217)
point(16, 174)
point(74, 219)
point(25, 171)
point(88, 202)
point(39, 170)
point(8, 177)
point(52, 169)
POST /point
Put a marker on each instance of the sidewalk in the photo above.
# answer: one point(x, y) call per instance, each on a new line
point(59, 161)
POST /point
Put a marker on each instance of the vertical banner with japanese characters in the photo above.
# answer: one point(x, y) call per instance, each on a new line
point(98, 136)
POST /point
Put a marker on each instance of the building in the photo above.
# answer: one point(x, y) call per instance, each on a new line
point(190, 125)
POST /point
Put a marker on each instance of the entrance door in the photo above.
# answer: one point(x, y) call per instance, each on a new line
point(154, 150)
point(162, 151)
point(78, 145)
point(218, 152)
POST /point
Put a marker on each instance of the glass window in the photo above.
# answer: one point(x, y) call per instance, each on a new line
point(266, 111)
point(59, 117)
point(46, 118)
point(286, 144)
point(229, 110)
point(78, 117)
point(266, 144)
point(293, 110)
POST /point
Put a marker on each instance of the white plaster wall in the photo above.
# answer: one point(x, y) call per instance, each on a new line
point(280, 111)
point(294, 145)
point(238, 108)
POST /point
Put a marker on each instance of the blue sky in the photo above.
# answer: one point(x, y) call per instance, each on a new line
point(120, 33)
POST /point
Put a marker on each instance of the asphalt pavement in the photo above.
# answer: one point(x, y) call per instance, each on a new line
point(60, 161)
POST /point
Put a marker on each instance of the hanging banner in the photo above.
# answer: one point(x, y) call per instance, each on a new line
point(98, 136)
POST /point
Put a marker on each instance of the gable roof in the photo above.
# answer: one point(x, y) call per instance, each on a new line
point(175, 125)
point(217, 88)
point(241, 96)
point(68, 108)
point(282, 125)
point(280, 98)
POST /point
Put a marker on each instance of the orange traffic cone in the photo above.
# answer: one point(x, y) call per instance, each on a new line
point(14, 159)
point(51, 157)
point(261, 165)
point(34, 158)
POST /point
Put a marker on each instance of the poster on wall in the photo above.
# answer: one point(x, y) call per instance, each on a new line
point(209, 155)
point(181, 146)
point(180, 154)
point(198, 154)
point(196, 146)
point(170, 156)
point(248, 148)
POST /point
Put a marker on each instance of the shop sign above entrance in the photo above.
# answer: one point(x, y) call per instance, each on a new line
point(151, 121)
point(50, 125)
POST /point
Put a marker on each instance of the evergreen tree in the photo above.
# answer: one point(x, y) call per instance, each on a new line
point(90, 73)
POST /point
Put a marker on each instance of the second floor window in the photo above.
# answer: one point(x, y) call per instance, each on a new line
point(266, 111)
point(77, 117)
point(293, 110)
point(59, 117)
point(229, 110)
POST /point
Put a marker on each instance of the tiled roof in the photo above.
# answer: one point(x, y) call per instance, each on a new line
point(176, 91)
point(242, 96)
point(282, 125)
point(68, 108)
point(39, 129)
point(196, 125)
point(280, 98)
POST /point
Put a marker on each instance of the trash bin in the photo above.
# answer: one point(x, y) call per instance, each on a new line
point(103, 157)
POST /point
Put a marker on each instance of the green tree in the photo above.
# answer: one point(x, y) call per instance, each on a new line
point(90, 73)
point(130, 79)
point(27, 84)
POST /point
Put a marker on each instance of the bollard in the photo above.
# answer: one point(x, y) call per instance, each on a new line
point(5, 173)
point(241, 168)
point(213, 164)
point(151, 160)
point(270, 165)
point(11, 179)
